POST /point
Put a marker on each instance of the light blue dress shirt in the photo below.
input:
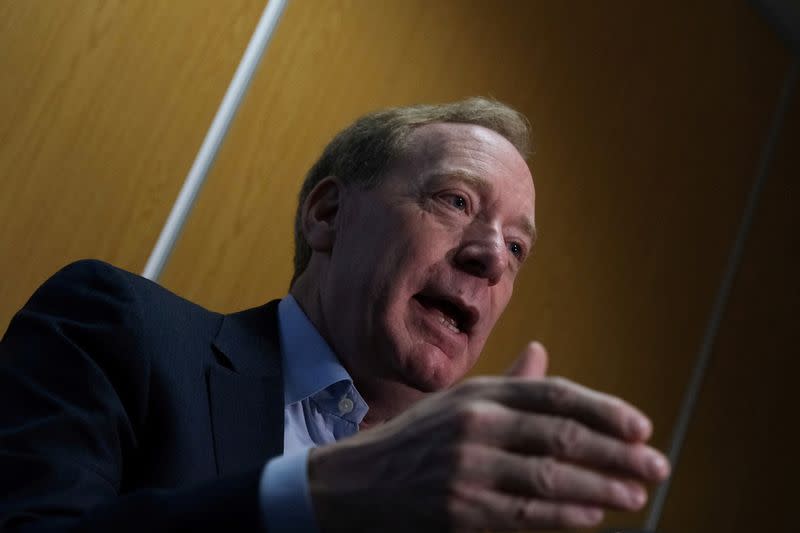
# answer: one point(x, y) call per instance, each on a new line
point(321, 406)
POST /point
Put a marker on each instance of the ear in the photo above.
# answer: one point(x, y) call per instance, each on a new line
point(319, 214)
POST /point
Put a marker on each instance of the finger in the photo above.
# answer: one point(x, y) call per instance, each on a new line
point(562, 397)
point(571, 441)
point(531, 363)
point(567, 440)
point(474, 508)
point(549, 479)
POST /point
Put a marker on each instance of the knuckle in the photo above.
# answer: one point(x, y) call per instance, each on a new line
point(564, 516)
point(473, 386)
point(569, 516)
point(464, 458)
point(457, 500)
point(472, 418)
point(557, 393)
point(561, 381)
point(567, 438)
point(618, 412)
point(635, 458)
point(545, 477)
point(520, 512)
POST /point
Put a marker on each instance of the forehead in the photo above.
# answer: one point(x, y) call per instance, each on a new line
point(441, 143)
point(473, 153)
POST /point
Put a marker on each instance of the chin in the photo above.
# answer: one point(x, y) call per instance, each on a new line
point(427, 368)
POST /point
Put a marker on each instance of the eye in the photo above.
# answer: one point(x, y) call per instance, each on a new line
point(458, 201)
point(516, 249)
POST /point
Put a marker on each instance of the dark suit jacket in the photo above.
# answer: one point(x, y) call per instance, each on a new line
point(126, 408)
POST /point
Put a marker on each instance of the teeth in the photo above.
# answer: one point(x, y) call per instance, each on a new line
point(449, 323)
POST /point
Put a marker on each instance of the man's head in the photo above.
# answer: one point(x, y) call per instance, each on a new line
point(411, 229)
point(361, 153)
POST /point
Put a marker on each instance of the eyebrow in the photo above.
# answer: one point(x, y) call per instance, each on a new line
point(478, 182)
point(529, 228)
point(482, 184)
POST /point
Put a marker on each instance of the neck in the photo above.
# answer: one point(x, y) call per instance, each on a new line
point(386, 398)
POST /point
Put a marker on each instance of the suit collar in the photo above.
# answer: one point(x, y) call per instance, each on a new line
point(246, 390)
point(249, 341)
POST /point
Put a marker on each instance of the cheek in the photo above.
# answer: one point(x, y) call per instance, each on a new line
point(498, 300)
point(385, 278)
point(413, 259)
point(503, 291)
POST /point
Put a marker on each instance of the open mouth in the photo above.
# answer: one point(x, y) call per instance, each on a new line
point(452, 314)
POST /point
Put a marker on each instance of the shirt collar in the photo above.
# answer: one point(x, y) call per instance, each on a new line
point(309, 364)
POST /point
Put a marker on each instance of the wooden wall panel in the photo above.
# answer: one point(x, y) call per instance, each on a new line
point(102, 108)
point(648, 121)
point(739, 471)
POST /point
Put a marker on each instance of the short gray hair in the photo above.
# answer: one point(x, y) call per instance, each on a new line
point(362, 152)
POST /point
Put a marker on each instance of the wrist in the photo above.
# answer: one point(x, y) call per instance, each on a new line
point(336, 488)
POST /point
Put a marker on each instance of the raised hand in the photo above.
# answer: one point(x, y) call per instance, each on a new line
point(516, 452)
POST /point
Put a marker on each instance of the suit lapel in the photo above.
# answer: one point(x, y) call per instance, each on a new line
point(246, 390)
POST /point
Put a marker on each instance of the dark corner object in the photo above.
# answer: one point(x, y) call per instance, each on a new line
point(784, 17)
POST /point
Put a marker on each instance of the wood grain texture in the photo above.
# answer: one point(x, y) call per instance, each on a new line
point(102, 108)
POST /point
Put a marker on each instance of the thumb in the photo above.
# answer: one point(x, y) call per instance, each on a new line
point(531, 363)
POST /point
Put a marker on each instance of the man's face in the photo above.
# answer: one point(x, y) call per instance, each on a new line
point(423, 264)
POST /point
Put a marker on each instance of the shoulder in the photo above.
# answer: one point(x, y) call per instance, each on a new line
point(99, 288)
point(94, 303)
point(84, 281)
point(93, 316)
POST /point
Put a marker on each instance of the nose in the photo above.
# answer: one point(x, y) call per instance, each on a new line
point(482, 253)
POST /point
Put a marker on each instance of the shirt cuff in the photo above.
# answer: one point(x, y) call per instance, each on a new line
point(284, 496)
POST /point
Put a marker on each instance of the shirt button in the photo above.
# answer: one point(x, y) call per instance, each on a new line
point(345, 405)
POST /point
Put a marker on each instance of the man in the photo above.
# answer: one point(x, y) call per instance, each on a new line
point(127, 408)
